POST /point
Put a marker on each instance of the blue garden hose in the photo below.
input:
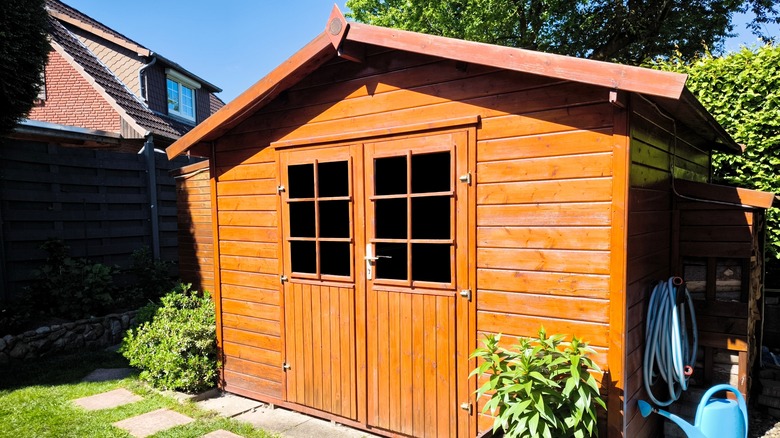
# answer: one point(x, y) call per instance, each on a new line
point(667, 351)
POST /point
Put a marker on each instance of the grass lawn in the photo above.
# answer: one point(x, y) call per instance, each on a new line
point(35, 402)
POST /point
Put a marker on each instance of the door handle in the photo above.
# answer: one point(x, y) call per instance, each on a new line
point(377, 257)
point(371, 260)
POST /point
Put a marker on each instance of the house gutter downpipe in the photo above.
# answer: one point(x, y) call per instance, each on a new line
point(142, 77)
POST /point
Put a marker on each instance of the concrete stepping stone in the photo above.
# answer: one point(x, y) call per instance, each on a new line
point(105, 374)
point(221, 433)
point(106, 400)
point(229, 405)
point(152, 422)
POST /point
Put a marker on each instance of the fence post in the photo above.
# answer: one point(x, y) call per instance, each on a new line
point(151, 171)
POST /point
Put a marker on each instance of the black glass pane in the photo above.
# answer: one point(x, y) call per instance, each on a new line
point(431, 172)
point(391, 263)
point(431, 262)
point(333, 179)
point(431, 217)
point(302, 219)
point(334, 258)
point(390, 175)
point(303, 257)
point(334, 218)
point(390, 218)
point(300, 178)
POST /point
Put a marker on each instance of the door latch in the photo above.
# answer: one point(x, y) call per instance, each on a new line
point(371, 260)
point(286, 366)
point(466, 293)
point(466, 407)
point(465, 178)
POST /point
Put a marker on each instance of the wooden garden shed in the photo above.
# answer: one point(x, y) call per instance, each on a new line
point(383, 198)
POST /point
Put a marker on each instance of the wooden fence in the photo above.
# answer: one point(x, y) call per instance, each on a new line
point(98, 202)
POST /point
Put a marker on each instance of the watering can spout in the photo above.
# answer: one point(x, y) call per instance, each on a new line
point(690, 430)
point(714, 417)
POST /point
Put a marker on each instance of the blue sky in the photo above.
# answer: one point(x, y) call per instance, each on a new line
point(233, 43)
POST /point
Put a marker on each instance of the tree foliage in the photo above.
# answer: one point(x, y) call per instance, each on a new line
point(628, 31)
point(24, 48)
point(742, 91)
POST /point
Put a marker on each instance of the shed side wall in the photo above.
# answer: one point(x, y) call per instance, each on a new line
point(650, 234)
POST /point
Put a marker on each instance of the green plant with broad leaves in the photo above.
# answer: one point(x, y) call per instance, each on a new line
point(177, 348)
point(542, 387)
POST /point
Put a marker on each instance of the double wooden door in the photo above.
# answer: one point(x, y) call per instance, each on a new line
point(376, 293)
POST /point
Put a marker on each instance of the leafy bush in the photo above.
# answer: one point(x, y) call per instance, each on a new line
point(741, 90)
point(152, 277)
point(541, 388)
point(177, 349)
point(72, 288)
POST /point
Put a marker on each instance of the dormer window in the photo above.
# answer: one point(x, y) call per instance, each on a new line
point(181, 95)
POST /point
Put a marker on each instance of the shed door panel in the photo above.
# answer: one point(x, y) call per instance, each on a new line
point(319, 294)
point(416, 256)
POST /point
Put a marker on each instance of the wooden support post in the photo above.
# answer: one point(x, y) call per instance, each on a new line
point(151, 170)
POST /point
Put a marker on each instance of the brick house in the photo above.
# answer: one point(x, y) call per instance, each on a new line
point(102, 81)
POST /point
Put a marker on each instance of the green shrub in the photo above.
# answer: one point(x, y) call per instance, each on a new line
point(540, 388)
point(177, 349)
point(152, 277)
point(72, 288)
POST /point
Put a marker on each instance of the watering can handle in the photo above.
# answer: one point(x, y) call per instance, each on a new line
point(717, 388)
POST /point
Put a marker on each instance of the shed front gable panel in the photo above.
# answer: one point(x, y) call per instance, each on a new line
point(542, 180)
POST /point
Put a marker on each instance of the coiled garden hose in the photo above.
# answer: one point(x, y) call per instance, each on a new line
point(667, 351)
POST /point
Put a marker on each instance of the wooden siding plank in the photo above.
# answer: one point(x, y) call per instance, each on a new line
point(249, 249)
point(544, 283)
point(260, 340)
point(545, 168)
point(555, 191)
point(526, 325)
point(556, 144)
point(571, 238)
point(251, 323)
point(594, 310)
point(572, 214)
point(585, 262)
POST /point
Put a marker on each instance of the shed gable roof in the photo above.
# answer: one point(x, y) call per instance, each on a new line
point(344, 39)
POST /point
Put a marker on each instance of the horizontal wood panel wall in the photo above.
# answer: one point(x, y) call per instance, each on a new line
point(196, 242)
point(97, 202)
point(544, 185)
point(650, 234)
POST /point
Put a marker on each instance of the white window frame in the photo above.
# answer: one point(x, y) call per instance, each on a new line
point(182, 81)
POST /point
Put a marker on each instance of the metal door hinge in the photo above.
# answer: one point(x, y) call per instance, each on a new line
point(466, 407)
point(465, 178)
point(466, 293)
point(282, 278)
point(279, 189)
point(286, 366)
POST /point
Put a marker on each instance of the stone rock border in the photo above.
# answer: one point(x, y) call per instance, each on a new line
point(84, 334)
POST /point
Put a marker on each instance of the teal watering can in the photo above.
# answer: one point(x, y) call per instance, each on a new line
point(715, 417)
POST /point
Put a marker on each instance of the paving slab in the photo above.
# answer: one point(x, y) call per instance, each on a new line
point(273, 420)
point(105, 374)
point(229, 405)
point(221, 433)
point(152, 422)
point(106, 400)
point(316, 427)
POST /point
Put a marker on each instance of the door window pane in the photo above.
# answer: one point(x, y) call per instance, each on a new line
point(334, 219)
point(391, 263)
point(333, 179)
point(303, 257)
point(431, 262)
point(335, 258)
point(302, 219)
point(431, 172)
point(300, 178)
point(390, 176)
point(390, 218)
point(431, 217)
